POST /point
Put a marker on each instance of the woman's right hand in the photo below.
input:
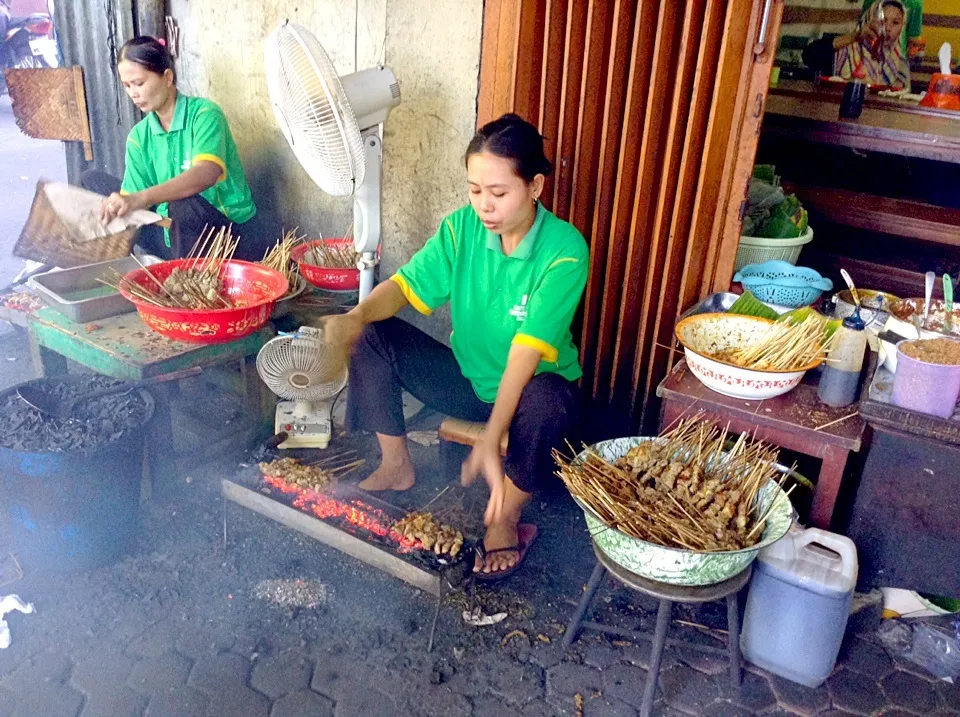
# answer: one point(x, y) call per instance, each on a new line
point(342, 329)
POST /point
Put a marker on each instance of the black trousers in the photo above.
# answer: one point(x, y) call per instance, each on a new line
point(393, 355)
point(190, 216)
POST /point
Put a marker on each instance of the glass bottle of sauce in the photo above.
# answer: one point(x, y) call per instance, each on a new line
point(840, 380)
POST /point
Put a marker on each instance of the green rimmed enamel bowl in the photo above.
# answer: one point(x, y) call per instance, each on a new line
point(675, 566)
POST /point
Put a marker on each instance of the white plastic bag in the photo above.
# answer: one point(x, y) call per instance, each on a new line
point(9, 604)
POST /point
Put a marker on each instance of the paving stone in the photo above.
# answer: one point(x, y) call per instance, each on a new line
point(545, 709)
point(361, 702)
point(302, 703)
point(331, 676)
point(602, 707)
point(639, 655)
point(909, 691)
point(687, 690)
point(95, 669)
point(278, 675)
point(238, 701)
point(900, 713)
point(201, 641)
point(515, 682)
point(46, 667)
point(211, 674)
point(755, 692)
point(489, 705)
point(950, 694)
point(624, 683)
point(155, 675)
point(854, 692)
point(155, 641)
point(547, 656)
point(7, 703)
point(47, 699)
point(600, 656)
point(179, 702)
point(707, 663)
point(114, 701)
point(723, 708)
point(836, 713)
point(439, 701)
point(866, 657)
point(567, 680)
point(799, 699)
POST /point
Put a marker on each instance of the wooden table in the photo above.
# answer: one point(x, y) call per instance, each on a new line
point(801, 110)
point(789, 421)
point(124, 347)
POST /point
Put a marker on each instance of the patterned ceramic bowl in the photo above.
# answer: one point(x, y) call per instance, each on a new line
point(704, 335)
point(673, 565)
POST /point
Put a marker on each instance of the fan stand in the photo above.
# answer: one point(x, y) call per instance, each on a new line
point(306, 423)
point(366, 210)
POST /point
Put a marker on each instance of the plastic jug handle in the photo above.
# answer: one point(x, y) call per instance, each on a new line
point(839, 544)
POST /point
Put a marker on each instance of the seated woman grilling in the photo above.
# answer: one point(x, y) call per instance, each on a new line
point(513, 274)
point(180, 159)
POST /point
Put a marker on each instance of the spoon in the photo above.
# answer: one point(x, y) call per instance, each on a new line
point(853, 289)
point(929, 279)
point(62, 409)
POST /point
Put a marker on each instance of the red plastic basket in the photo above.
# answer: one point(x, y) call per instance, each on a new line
point(324, 277)
point(254, 289)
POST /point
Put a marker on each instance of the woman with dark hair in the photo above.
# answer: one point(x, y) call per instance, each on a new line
point(513, 274)
point(874, 52)
point(180, 159)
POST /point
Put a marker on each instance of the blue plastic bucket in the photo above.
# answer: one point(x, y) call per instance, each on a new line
point(74, 509)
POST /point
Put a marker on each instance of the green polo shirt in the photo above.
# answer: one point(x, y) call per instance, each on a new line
point(198, 133)
point(526, 298)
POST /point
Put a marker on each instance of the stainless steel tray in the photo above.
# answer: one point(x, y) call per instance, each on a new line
point(713, 304)
point(78, 295)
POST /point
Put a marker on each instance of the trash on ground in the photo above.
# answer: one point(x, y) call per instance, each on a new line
point(292, 593)
point(478, 619)
point(931, 646)
point(10, 603)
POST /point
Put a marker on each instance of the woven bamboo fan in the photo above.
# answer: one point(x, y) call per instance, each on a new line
point(50, 103)
point(63, 230)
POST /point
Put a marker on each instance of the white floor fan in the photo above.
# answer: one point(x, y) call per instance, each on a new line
point(333, 126)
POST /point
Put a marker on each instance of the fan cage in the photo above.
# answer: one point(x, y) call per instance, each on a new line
point(295, 368)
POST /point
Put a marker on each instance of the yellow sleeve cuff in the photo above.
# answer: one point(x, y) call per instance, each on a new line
point(410, 295)
point(216, 160)
point(124, 193)
point(550, 354)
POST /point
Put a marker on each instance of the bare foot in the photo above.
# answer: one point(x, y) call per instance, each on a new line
point(396, 476)
point(502, 534)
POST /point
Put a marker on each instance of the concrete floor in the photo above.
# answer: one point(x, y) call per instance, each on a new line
point(23, 162)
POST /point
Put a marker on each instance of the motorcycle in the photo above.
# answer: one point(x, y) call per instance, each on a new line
point(26, 42)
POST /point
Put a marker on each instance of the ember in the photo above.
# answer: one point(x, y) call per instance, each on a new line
point(355, 512)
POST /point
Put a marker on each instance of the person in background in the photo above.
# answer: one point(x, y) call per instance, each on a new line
point(180, 159)
point(513, 274)
point(911, 41)
point(873, 52)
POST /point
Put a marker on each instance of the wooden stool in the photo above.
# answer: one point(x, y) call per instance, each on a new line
point(667, 595)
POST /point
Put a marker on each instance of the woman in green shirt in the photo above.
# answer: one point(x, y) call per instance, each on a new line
point(180, 159)
point(513, 274)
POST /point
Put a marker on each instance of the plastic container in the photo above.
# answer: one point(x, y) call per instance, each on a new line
point(925, 387)
point(840, 380)
point(74, 509)
point(798, 605)
point(323, 277)
point(780, 282)
point(756, 250)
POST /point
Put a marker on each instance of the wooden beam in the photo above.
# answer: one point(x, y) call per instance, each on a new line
point(426, 580)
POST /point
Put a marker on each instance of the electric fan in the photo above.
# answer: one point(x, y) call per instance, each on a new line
point(333, 126)
point(303, 369)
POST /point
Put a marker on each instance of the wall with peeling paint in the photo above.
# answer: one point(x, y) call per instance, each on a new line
point(433, 46)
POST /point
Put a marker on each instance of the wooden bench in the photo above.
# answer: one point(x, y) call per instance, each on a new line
point(465, 433)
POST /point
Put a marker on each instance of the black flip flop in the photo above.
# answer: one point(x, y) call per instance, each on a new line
point(526, 534)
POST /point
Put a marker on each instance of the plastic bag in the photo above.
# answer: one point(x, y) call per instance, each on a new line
point(9, 603)
point(932, 647)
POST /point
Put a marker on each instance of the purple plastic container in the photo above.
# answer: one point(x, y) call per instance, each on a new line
point(925, 387)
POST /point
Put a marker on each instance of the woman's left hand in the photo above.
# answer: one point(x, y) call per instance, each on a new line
point(485, 459)
point(120, 205)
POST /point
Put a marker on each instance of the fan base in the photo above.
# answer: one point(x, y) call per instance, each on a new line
point(304, 428)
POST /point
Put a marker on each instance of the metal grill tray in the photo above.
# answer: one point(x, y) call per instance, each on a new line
point(78, 295)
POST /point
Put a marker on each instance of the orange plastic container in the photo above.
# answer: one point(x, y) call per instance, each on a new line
point(943, 93)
